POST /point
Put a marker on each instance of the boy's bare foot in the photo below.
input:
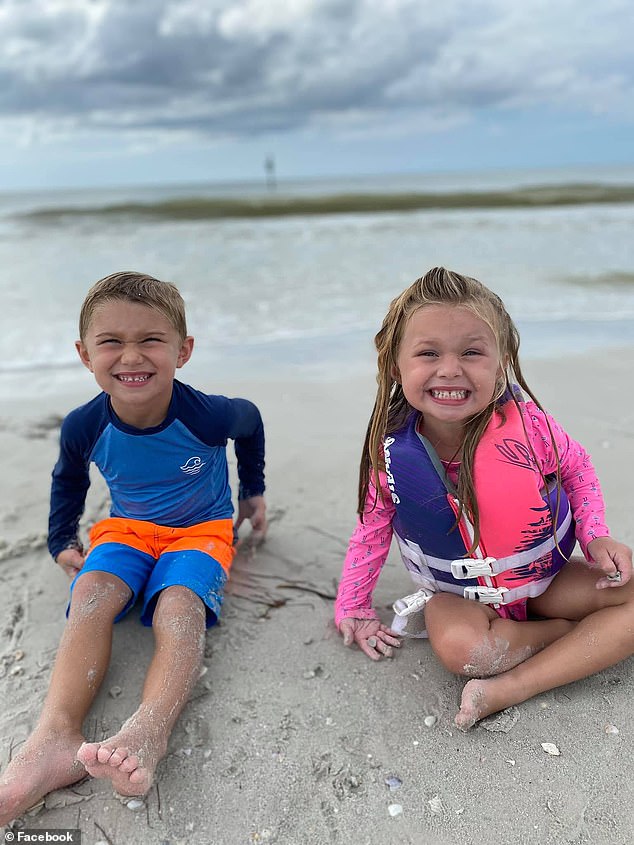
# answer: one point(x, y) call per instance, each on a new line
point(129, 758)
point(47, 761)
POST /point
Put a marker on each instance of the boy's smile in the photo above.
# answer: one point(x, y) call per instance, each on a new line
point(448, 366)
point(133, 351)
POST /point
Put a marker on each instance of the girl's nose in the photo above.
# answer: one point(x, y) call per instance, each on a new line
point(449, 366)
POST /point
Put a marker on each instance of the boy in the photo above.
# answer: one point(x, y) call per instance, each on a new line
point(161, 447)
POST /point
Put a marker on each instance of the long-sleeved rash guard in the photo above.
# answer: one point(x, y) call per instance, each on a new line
point(174, 474)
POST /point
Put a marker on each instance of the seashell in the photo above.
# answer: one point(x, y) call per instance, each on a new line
point(436, 806)
point(393, 782)
point(395, 810)
point(551, 748)
point(430, 721)
point(611, 729)
point(115, 692)
point(134, 804)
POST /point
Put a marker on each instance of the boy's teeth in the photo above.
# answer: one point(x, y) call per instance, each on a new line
point(133, 378)
point(449, 394)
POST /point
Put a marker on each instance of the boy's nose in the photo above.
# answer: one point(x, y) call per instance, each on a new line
point(131, 353)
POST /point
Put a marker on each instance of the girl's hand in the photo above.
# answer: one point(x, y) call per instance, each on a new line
point(373, 639)
point(71, 561)
point(614, 558)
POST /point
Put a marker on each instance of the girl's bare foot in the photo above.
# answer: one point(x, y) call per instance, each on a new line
point(47, 761)
point(480, 698)
point(129, 758)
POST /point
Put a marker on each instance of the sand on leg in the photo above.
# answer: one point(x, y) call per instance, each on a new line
point(471, 639)
point(603, 634)
point(129, 758)
point(47, 760)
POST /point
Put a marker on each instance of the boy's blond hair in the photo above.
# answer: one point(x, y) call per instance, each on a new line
point(129, 286)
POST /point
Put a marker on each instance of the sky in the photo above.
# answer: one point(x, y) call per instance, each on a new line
point(123, 92)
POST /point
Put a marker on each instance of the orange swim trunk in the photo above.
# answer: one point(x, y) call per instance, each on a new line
point(150, 557)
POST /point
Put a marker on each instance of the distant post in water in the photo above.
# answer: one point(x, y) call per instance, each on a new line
point(269, 169)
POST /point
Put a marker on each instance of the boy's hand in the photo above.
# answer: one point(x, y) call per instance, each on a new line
point(71, 561)
point(253, 509)
point(614, 558)
point(373, 638)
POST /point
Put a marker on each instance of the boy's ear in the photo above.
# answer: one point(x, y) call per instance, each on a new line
point(187, 347)
point(83, 354)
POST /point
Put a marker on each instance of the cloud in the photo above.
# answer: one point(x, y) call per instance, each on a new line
point(247, 68)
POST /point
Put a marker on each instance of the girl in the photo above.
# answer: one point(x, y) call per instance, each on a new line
point(486, 495)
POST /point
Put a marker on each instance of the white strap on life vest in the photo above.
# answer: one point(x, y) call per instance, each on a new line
point(479, 567)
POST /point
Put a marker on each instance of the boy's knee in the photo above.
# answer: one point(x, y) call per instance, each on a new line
point(179, 605)
point(98, 593)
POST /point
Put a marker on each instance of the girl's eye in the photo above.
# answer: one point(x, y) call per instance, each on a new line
point(473, 352)
point(427, 353)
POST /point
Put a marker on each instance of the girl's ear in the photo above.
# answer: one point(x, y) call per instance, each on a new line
point(396, 376)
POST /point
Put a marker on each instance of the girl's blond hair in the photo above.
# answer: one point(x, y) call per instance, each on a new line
point(391, 409)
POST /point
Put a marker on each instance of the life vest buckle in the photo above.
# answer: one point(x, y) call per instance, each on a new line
point(412, 603)
point(467, 567)
point(486, 595)
point(406, 623)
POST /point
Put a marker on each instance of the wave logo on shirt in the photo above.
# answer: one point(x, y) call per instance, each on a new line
point(193, 465)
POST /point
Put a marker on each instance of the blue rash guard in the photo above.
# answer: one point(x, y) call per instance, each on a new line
point(173, 474)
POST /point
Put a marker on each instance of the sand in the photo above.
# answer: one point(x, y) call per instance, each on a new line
point(289, 737)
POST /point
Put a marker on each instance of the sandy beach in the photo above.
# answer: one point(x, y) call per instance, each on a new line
point(289, 737)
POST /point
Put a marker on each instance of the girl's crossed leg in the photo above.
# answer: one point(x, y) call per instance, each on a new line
point(48, 758)
point(584, 630)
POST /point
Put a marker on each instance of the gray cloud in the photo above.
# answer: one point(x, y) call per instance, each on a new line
point(248, 67)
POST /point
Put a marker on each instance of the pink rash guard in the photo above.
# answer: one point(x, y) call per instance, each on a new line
point(370, 542)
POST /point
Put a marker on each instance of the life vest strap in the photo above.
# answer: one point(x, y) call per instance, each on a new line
point(477, 568)
point(502, 595)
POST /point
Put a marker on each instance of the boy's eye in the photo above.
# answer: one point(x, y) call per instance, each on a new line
point(152, 340)
point(110, 340)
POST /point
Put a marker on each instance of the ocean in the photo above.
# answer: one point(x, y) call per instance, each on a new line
point(292, 281)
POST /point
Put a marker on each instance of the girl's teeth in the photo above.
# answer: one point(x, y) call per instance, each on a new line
point(449, 394)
